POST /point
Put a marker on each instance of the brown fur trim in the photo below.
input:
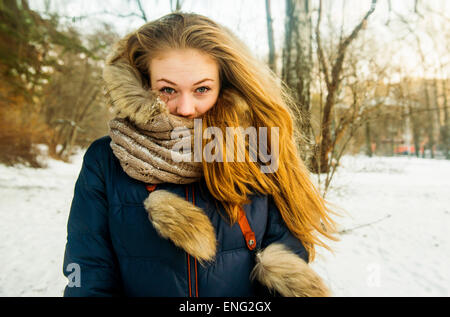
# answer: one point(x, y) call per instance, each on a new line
point(184, 224)
point(281, 270)
point(128, 96)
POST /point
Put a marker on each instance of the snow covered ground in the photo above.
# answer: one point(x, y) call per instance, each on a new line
point(405, 251)
point(395, 243)
point(34, 207)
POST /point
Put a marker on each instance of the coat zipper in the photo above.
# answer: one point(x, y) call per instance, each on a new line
point(193, 285)
point(195, 260)
point(151, 188)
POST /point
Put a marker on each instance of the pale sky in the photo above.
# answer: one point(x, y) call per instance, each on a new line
point(247, 18)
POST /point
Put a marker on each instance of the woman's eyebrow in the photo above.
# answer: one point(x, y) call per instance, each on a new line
point(172, 83)
point(199, 82)
point(166, 80)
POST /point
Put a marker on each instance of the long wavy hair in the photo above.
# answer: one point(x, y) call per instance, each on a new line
point(250, 95)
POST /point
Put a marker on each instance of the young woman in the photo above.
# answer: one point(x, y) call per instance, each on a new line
point(161, 208)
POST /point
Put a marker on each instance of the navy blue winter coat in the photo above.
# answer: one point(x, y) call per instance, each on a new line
point(119, 252)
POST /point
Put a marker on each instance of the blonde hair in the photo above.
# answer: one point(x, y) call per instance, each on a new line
point(250, 94)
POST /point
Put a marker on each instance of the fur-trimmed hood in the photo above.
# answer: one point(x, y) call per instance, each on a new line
point(128, 95)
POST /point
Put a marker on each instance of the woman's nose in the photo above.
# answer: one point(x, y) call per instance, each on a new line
point(185, 106)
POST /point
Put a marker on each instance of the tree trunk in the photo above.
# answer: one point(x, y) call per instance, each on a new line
point(446, 127)
point(297, 63)
point(368, 140)
point(415, 130)
point(270, 37)
point(430, 119)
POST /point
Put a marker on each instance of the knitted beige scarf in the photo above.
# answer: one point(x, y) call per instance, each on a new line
point(146, 151)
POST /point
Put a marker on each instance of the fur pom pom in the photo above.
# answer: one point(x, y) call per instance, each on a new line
point(184, 224)
point(281, 270)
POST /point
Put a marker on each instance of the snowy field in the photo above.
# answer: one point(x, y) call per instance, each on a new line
point(395, 239)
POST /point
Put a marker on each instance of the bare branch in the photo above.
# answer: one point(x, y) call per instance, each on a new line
point(320, 52)
point(362, 24)
point(364, 225)
point(390, 11)
point(416, 9)
point(143, 15)
point(85, 16)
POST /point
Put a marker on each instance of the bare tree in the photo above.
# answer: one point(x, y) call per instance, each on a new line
point(321, 159)
point(433, 110)
point(440, 88)
point(73, 105)
point(359, 105)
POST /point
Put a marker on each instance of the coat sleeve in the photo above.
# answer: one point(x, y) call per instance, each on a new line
point(278, 232)
point(89, 260)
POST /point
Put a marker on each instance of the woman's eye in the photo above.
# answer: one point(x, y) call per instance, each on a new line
point(202, 90)
point(167, 90)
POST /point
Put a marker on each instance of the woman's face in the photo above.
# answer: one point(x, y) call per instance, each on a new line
point(188, 80)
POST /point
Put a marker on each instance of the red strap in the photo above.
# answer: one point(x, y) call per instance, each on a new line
point(189, 272)
point(249, 235)
point(151, 187)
